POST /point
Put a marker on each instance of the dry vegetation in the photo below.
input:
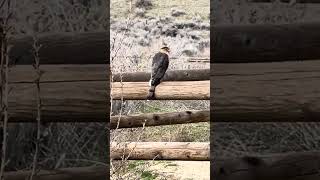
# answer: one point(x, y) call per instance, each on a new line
point(64, 144)
point(138, 29)
point(264, 13)
point(120, 9)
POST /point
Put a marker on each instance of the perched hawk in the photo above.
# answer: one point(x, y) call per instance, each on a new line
point(160, 65)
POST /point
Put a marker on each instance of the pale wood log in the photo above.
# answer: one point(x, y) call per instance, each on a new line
point(62, 48)
point(69, 93)
point(157, 119)
point(265, 92)
point(180, 90)
point(79, 173)
point(196, 151)
point(176, 75)
point(201, 60)
point(265, 43)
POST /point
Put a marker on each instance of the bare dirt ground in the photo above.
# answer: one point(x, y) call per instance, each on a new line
point(182, 170)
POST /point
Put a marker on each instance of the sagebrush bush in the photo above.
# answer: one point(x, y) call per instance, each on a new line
point(147, 4)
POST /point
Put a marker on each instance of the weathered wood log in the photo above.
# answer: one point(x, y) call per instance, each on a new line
point(286, 1)
point(265, 43)
point(176, 75)
point(62, 48)
point(202, 60)
point(180, 90)
point(265, 92)
point(69, 93)
point(194, 151)
point(59, 73)
point(157, 119)
point(288, 166)
point(80, 173)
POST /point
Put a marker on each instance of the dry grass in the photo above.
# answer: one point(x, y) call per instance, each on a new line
point(62, 145)
point(257, 13)
point(162, 8)
point(58, 16)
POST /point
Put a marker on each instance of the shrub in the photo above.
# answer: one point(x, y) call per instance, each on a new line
point(147, 4)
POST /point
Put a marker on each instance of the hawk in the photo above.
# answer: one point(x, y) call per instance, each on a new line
point(160, 65)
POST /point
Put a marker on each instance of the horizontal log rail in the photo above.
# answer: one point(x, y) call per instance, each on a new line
point(170, 90)
point(199, 60)
point(265, 43)
point(287, 166)
point(59, 73)
point(69, 93)
point(286, 1)
point(79, 173)
point(62, 48)
point(175, 75)
point(192, 151)
point(157, 119)
point(266, 92)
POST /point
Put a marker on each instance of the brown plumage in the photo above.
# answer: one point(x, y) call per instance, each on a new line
point(160, 65)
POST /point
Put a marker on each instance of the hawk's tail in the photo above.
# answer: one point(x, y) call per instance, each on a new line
point(151, 94)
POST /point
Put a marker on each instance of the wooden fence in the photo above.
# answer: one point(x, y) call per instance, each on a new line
point(191, 151)
point(74, 82)
point(175, 90)
point(265, 92)
point(285, 166)
point(176, 85)
point(157, 119)
point(286, 1)
point(266, 78)
point(79, 173)
point(69, 93)
point(265, 43)
point(74, 78)
point(75, 75)
point(260, 73)
point(180, 84)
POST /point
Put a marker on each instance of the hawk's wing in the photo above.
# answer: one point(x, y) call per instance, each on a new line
point(160, 65)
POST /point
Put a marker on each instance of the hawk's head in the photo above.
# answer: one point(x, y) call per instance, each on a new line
point(165, 49)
